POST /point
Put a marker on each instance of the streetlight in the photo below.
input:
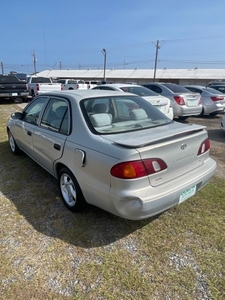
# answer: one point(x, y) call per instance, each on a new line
point(104, 53)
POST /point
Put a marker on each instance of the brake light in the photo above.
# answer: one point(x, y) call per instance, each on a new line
point(37, 87)
point(138, 168)
point(204, 147)
point(61, 87)
point(179, 100)
point(200, 101)
point(89, 86)
point(77, 86)
point(217, 98)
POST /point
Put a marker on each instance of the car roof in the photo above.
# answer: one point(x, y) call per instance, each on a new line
point(84, 94)
point(119, 85)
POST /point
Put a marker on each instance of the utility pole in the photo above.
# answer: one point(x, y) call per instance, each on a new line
point(156, 58)
point(60, 65)
point(2, 68)
point(104, 53)
point(34, 60)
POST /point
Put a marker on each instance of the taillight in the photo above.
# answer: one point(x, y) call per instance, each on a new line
point(61, 87)
point(179, 100)
point(204, 147)
point(89, 86)
point(78, 86)
point(138, 168)
point(37, 87)
point(200, 101)
point(217, 98)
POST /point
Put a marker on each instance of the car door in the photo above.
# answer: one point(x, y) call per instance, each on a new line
point(50, 136)
point(25, 127)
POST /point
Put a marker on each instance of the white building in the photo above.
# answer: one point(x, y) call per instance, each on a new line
point(139, 76)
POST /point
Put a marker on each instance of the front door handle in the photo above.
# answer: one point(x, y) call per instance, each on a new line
point(57, 147)
point(29, 133)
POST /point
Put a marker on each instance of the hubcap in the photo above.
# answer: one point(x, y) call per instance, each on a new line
point(68, 189)
point(12, 143)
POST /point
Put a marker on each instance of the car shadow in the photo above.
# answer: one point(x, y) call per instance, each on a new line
point(36, 196)
point(217, 135)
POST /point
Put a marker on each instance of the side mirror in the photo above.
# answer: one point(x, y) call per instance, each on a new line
point(16, 115)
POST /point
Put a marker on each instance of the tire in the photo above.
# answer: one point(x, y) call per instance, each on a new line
point(213, 114)
point(13, 146)
point(183, 118)
point(70, 191)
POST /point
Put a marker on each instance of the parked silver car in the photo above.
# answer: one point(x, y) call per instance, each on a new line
point(161, 102)
point(213, 101)
point(222, 126)
point(184, 103)
point(113, 150)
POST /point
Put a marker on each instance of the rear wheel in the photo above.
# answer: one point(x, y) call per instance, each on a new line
point(70, 191)
point(183, 118)
point(213, 113)
point(12, 143)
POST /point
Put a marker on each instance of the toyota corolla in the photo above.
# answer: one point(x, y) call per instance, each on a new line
point(113, 150)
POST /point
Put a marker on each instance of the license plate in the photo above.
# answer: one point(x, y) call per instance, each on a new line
point(14, 94)
point(187, 194)
point(160, 107)
point(192, 102)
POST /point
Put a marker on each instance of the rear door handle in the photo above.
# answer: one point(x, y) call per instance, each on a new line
point(57, 147)
point(29, 133)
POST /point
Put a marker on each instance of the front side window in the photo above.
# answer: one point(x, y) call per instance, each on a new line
point(55, 116)
point(31, 114)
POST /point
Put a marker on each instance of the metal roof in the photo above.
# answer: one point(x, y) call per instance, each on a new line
point(147, 74)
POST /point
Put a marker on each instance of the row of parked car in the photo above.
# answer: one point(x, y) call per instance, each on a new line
point(175, 100)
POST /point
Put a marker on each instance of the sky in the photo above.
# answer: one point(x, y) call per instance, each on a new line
point(72, 34)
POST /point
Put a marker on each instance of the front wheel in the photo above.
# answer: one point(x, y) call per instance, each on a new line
point(12, 143)
point(70, 191)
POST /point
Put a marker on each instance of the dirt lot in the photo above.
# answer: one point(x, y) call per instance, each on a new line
point(217, 139)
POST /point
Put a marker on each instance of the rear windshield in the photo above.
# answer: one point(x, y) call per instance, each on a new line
point(40, 80)
point(176, 88)
point(8, 79)
point(112, 115)
point(139, 90)
point(212, 91)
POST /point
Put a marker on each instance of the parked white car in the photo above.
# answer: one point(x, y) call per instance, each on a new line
point(160, 102)
point(73, 84)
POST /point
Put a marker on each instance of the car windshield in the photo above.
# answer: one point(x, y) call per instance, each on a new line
point(139, 90)
point(111, 115)
point(176, 88)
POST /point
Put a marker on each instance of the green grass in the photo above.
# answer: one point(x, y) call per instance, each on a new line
point(48, 252)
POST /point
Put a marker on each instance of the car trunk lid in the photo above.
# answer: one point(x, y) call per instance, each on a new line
point(177, 147)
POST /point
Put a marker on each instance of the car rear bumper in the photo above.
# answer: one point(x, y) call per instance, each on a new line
point(152, 201)
point(16, 94)
point(181, 111)
point(214, 107)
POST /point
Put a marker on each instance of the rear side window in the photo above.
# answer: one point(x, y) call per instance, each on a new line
point(55, 116)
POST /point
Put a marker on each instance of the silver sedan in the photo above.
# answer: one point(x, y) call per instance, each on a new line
point(113, 150)
point(184, 102)
point(213, 101)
